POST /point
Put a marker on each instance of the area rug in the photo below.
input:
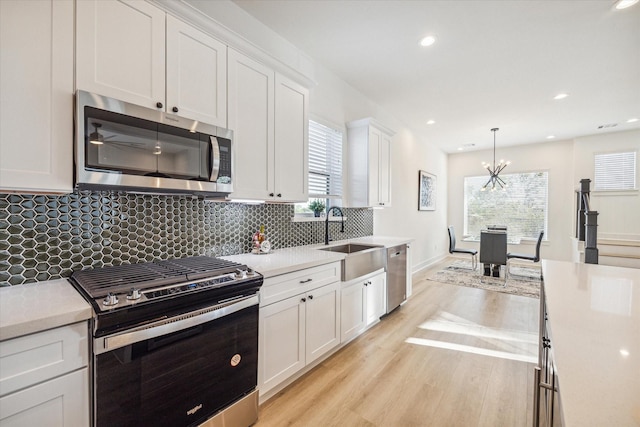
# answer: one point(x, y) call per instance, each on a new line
point(523, 281)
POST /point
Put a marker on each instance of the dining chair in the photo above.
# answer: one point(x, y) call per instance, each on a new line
point(453, 249)
point(534, 258)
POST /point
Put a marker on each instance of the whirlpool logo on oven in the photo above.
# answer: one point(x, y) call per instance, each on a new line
point(194, 409)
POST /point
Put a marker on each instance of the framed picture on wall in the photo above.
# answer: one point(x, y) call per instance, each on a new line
point(426, 191)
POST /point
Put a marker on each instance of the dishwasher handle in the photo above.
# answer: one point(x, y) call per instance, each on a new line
point(397, 251)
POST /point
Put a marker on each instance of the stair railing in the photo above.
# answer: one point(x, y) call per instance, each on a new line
point(587, 223)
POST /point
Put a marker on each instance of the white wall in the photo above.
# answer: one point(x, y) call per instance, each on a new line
point(619, 212)
point(334, 101)
point(429, 228)
point(555, 157)
point(567, 162)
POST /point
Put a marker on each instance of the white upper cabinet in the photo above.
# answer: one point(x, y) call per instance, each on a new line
point(269, 117)
point(291, 141)
point(196, 74)
point(120, 50)
point(132, 51)
point(36, 105)
point(369, 181)
point(251, 112)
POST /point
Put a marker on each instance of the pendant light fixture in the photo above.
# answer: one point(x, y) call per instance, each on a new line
point(495, 171)
point(95, 137)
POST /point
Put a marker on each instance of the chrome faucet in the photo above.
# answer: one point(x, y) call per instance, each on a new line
point(326, 223)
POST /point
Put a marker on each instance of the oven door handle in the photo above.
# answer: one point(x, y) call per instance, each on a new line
point(171, 325)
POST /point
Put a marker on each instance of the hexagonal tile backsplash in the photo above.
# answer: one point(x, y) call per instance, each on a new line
point(48, 237)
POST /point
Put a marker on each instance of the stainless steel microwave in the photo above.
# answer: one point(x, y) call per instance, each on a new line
point(126, 147)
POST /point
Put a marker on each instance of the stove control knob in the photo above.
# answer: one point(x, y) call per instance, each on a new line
point(250, 271)
point(134, 294)
point(240, 274)
point(110, 299)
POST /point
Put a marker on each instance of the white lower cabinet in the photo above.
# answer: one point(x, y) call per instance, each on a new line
point(363, 302)
point(62, 401)
point(296, 330)
point(44, 379)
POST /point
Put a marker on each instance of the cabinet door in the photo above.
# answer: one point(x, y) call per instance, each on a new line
point(384, 171)
point(353, 311)
point(36, 106)
point(323, 320)
point(291, 141)
point(375, 140)
point(120, 50)
point(196, 74)
point(250, 116)
point(62, 401)
point(376, 298)
point(281, 348)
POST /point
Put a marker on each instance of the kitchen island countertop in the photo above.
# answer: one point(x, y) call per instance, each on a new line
point(594, 320)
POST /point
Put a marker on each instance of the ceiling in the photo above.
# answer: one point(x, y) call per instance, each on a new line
point(494, 64)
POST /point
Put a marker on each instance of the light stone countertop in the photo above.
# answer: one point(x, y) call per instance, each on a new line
point(594, 322)
point(281, 261)
point(34, 307)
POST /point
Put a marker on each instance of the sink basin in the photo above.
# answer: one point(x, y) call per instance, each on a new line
point(349, 248)
point(360, 259)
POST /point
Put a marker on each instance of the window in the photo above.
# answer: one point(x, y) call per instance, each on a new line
point(522, 207)
point(325, 164)
point(615, 171)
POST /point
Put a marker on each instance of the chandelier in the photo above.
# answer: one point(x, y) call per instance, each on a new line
point(495, 171)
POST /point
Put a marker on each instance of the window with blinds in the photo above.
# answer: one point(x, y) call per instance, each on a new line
point(325, 161)
point(615, 171)
point(522, 207)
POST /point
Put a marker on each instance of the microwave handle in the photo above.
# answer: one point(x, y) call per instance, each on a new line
point(215, 159)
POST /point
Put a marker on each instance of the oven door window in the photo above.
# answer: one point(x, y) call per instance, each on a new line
point(129, 145)
point(180, 379)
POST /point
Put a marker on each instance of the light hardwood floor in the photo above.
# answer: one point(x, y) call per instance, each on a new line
point(423, 366)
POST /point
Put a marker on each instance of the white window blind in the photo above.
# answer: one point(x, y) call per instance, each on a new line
point(615, 171)
point(325, 161)
point(522, 207)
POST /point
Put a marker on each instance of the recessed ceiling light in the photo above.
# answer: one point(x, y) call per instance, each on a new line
point(623, 4)
point(460, 148)
point(561, 96)
point(427, 41)
point(633, 120)
point(431, 122)
point(551, 136)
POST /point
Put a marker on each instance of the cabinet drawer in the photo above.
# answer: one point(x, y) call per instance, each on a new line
point(63, 401)
point(34, 358)
point(284, 286)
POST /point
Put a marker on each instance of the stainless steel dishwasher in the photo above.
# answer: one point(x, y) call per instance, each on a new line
point(396, 276)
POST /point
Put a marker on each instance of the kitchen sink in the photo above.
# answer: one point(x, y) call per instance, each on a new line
point(349, 248)
point(360, 259)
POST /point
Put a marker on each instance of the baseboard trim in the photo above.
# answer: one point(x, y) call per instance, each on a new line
point(427, 263)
